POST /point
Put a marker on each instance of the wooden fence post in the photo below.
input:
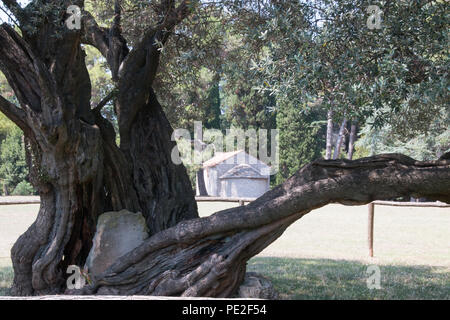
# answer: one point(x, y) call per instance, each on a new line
point(370, 229)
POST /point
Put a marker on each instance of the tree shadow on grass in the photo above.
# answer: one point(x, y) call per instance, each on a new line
point(6, 280)
point(344, 279)
point(333, 279)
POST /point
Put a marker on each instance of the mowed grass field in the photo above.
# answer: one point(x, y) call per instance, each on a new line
point(324, 255)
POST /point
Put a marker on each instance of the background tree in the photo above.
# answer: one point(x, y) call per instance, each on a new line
point(13, 167)
point(425, 146)
point(302, 138)
point(392, 75)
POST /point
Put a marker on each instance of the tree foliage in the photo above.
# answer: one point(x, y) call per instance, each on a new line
point(424, 146)
point(13, 167)
point(302, 138)
point(397, 74)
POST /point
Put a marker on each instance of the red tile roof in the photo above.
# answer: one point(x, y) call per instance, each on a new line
point(220, 157)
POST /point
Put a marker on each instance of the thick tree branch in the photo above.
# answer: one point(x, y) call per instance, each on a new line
point(14, 113)
point(117, 14)
point(94, 35)
point(105, 100)
point(134, 71)
point(16, 62)
point(147, 51)
point(109, 42)
point(38, 87)
point(14, 7)
point(17, 58)
point(138, 70)
point(207, 256)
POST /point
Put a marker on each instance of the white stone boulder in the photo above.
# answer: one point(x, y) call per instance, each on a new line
point(117, 234)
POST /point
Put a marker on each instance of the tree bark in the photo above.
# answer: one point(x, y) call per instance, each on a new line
point(351, 143)
point(5, 189)
point(329, 142)
point(340, 139)
point(201, 182)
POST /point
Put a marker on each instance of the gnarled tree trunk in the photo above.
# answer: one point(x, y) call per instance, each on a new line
point(74, 161)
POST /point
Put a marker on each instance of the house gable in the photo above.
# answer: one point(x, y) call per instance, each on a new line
point(243, 171)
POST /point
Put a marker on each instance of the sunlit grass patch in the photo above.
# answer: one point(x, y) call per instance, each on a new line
point(6, 280)
point(340, 279)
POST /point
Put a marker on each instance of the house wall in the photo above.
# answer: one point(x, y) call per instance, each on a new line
point(211, 176)
point(213, 183)
point(243, 188)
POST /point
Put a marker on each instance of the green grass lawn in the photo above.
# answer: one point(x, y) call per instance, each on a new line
point(324, 254)
point(6, 278)
point(345, 279)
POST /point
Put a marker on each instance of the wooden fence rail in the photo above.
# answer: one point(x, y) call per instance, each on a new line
point(11, 200)
point(436, 204)
point(241, 201)
point(371, 217)
point(15, 200)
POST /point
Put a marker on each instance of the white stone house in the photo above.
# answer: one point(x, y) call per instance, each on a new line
point(235, 175)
